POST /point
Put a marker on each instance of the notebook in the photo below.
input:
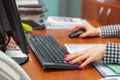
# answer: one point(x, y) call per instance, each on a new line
point(114, 67)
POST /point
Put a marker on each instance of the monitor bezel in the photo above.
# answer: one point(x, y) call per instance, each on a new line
point(14, 29)
point(15, 23)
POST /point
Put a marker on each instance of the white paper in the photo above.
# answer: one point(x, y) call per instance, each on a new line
point(79, 47)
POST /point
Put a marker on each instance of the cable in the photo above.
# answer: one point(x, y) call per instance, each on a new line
point(6, 43)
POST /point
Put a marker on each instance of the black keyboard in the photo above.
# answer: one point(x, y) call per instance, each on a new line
point(49, 52)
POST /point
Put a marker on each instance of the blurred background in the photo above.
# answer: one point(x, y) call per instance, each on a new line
point(69, 8)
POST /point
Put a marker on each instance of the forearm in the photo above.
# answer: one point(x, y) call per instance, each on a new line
point(112, 53)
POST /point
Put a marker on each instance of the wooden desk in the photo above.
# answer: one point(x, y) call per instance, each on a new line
point(34, 69)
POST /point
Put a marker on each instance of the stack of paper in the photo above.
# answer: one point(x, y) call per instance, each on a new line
point(63, 22)
point(31, 9)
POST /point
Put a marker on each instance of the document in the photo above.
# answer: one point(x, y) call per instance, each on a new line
point(106, 70)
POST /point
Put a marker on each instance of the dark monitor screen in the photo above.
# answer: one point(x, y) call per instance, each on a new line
point(10, 15)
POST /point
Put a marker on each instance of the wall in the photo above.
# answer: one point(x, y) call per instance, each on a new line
point(71, 8)
point(74, 8)
point(52, 6)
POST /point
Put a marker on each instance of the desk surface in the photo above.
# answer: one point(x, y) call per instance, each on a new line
point(34, 69)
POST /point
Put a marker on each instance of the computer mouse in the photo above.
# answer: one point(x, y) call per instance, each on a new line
point(76, 33)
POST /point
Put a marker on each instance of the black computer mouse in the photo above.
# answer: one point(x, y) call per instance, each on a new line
point(76, 33)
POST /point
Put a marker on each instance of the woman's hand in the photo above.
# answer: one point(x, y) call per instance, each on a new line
point(86, 56)
point(89, 30)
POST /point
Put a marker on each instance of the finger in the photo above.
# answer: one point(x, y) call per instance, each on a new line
point(84, 35)
point(80, 59)
point(73, 55)
point(86, 62)
point(77, 26)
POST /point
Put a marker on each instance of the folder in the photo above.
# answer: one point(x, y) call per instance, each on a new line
point(114, 67)
point(106, 70)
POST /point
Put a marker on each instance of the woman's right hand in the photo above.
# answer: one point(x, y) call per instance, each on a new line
point(87, 56)
point(89, 31)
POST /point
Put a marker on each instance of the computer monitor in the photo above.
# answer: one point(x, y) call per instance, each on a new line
point(11, 24)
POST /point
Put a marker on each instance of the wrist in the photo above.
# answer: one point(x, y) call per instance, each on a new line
point(97, 32)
